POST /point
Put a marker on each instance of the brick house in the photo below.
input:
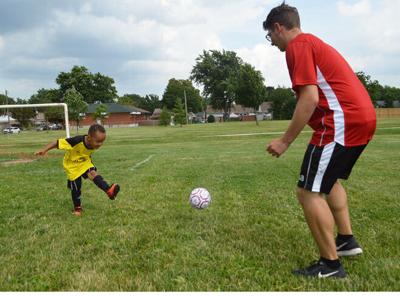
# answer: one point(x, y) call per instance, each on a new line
point(117, 115)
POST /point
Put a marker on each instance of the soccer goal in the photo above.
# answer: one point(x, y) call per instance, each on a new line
point(44, 105)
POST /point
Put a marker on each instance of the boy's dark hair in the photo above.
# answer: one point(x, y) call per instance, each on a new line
point(283, 14)
point(96, 128)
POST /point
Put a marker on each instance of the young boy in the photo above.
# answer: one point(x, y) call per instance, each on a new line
point(78, 163)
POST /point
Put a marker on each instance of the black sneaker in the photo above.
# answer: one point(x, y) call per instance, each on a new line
point(319, 269)
point(348, 247)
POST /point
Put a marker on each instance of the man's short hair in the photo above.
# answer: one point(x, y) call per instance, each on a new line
point(283, 14)
point(96, 128)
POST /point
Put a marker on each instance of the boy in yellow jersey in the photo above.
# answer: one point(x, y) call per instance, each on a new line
point(78, 163)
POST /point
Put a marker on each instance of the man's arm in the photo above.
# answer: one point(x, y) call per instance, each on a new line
point(306, 104)
point(48, 147)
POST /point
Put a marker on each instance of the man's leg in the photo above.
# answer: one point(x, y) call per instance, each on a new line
point(346, 243)
point(320, 221)
point(337, 201)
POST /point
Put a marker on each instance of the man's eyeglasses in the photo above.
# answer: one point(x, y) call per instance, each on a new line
point(268, 37)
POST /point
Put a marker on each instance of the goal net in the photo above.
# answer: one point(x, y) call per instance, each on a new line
point(44, 105)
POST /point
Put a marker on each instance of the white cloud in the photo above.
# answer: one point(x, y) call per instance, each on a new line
point(142, 44)
point(373, 41)
point(270, 61)
point(42, 65)
point(30, 86)
point(362, 7)
point(1, 43)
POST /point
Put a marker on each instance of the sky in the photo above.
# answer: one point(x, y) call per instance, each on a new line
point(142, 44)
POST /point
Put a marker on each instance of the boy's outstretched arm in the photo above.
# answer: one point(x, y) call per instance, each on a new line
point(48, 147)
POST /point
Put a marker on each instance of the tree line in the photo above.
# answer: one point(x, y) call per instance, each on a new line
point(224, 77)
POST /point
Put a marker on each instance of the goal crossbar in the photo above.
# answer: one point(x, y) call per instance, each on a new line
point(44, 105)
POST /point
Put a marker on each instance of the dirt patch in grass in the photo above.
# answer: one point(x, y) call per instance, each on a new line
point(19, 158)
point(17, 161)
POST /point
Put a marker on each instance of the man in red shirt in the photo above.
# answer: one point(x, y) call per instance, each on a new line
point(334, 103)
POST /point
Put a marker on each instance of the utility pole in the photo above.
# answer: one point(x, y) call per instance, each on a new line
point(187, 119)
point(8, 115)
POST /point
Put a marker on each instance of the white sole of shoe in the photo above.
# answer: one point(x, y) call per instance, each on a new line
point(352, 252)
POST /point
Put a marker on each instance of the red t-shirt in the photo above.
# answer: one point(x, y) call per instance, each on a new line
point(345, 113)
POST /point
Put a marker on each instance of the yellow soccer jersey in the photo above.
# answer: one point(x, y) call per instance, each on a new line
point(77, 158)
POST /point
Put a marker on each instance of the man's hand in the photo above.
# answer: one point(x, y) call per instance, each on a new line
point(277, 147)
point(306, 103)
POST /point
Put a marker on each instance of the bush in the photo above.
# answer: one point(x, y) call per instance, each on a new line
point(210, 118)
point(165, 117)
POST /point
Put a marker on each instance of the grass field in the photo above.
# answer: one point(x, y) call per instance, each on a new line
point(150, 239)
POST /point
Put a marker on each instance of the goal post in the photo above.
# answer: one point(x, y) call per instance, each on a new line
point(44, 105)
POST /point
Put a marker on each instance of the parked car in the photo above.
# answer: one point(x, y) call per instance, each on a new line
point(42, 127)
point(11, 130)
point(55, 126)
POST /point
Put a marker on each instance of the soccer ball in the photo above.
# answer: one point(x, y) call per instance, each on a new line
point(200, 198)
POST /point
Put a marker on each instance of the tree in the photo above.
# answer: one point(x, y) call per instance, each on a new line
point(390, 95)
point(179, 112)
point(131, 99)
point(165, 117)
point(250, 89)
point(5, 100)
point(43, 96)
point(283, 102)
point(46, 96)
point(217, 72)
point(176, 89)
point(373, 87)
point(23, 115)
point(148, 102)
point(100, 113)
point(76, 105)
point(151, 102)
point(93, 87)
point(103, 88)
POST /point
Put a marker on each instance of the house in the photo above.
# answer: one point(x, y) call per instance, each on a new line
point(6, 121)
point(239, 112)
point(117, 115)
point(156, 114)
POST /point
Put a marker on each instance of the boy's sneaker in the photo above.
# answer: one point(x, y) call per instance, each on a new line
point(348, 247)
point(77, 211)
point(319, 269)
point(113, 191)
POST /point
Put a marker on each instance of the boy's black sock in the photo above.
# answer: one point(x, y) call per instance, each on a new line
point(76, 199)
point(334, 264)
point(99, 181)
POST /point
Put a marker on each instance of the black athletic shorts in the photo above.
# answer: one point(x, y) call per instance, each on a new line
point(323, 165)
point(77, 183)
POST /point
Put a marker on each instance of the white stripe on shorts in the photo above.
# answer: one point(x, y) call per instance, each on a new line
point(323, 164)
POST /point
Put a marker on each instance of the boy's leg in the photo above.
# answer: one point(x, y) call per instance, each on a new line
point(111, 191)
point(75, 187)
